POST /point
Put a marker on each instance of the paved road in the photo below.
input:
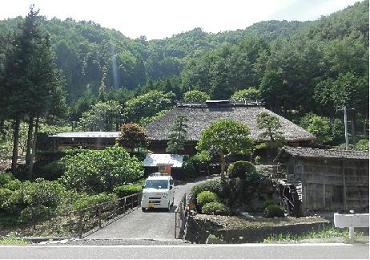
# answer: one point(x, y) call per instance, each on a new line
point(155, 224)
point(275, 251)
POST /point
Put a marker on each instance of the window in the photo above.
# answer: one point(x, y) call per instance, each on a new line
point(156, 184)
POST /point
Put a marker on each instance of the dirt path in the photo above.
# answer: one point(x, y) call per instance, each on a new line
point(155, 224)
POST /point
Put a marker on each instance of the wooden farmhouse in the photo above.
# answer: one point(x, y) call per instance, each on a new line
point(201, 116)
point(331, 180)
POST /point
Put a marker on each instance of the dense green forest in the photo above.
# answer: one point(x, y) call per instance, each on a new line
point(305, 71)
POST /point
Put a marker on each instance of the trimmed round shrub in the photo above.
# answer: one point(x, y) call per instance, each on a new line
point(211, 185)
point(206, 197)
point(273, 210)
point(241, 169)
point(126, 190)
point(215, 208)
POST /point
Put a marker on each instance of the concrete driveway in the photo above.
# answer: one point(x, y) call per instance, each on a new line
point(154, 224)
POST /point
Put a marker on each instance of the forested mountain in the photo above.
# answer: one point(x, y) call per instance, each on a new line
point(90, 55)
point(296, 67)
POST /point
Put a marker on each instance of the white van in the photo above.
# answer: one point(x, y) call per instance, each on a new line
point(158, 192)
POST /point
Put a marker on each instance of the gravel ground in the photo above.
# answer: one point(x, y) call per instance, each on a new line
point(155, 224)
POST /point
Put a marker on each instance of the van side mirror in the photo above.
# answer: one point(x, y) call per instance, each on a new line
point(171, 187)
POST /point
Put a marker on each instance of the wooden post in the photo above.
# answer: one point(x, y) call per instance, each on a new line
point(175, 223)
point(80, 224)
point(124, 204)
point(98, 211)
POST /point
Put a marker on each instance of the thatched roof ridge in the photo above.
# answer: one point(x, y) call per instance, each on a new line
point(200, 116)
point(309, 152)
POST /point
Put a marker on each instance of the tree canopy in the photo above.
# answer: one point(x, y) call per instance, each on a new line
point(225, 137)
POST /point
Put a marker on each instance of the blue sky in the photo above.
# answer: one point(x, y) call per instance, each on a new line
point(162, 18)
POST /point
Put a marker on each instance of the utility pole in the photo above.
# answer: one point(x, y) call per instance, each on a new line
point(345, 126)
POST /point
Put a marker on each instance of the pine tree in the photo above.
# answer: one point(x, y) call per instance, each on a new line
point(177, 136)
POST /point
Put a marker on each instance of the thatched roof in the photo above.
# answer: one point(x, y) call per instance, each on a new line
point(200, 116)
point(308, 152)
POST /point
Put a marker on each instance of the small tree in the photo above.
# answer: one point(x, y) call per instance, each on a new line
point(318, 126)
point(225, 137)
point(177, 137)
point(101, 170)
point(245, 95)
point(271, 129)
point(132, 136)
point(196, 96)
point(103, 116)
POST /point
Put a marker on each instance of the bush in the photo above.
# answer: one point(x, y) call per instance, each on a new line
point(101, 170)
point(87, 201)
point(4, 195)
point(211, 185)
point(189, 168)
point(362, 145)
point(13, 185)
point(241, 169)
point(5, 178)
point(50, 171)
point(273, 210)
point(126, 190)
point(33, 200)
point(215, 208)
point(268, 203)
point(258, 159)
point(206, 197)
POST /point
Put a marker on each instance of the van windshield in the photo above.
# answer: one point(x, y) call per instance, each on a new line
point(156, 184)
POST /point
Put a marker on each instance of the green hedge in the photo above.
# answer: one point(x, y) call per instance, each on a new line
point(215, 208)
point(206, 197)
point(88, 201)
point(126, 190)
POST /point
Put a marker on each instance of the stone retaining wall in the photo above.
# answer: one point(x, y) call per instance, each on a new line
point(199, 229)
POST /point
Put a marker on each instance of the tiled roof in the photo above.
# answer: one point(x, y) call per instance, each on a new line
point(308, 152)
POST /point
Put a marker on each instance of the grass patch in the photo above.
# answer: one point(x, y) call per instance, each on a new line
point(324, 234)
point(12, 239)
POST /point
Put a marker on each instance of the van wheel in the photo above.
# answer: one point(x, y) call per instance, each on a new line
point(143, 209)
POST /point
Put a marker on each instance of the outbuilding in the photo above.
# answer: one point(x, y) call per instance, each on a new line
point(331, 180)
point(163, 163)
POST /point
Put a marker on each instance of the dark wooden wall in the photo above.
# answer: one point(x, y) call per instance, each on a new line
point(331, 184)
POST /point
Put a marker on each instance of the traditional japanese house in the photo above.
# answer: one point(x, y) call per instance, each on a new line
point(201, 116)
point(330, 180)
